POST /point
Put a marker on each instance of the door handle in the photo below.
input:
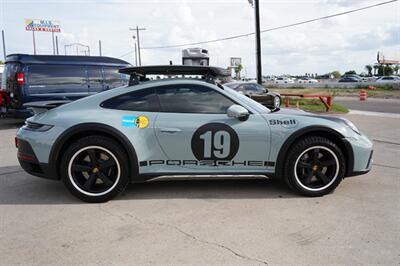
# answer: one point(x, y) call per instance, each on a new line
point(169, 130)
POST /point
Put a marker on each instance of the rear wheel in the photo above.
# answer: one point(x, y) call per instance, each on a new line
point(315, 166)
point(95, 169)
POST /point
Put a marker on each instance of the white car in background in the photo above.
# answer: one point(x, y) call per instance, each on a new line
point(307, 80)
point(388, 79)
point(283, 80)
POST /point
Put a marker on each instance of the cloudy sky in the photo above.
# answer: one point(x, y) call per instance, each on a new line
point(341, 43)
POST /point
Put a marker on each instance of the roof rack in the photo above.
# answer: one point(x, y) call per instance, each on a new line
point(138, 74)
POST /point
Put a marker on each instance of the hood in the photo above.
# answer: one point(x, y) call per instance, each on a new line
point(297, 112)
point(288, 111)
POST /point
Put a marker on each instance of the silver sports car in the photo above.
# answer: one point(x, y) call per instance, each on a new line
point(183, 126)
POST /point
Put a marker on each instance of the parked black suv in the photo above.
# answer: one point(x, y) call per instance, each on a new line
point(31, 78)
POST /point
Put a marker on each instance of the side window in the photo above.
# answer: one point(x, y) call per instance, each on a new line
point(251, 87)
point(240, 88)
point(94, 74)
point(192, 99)
point(113, 79)
point(57, 75)
point(143, 100)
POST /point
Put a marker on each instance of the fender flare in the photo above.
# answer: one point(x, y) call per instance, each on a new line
point(343, 144)
point(55, 152)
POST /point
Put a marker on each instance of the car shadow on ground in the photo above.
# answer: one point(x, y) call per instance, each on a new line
point(20, 188)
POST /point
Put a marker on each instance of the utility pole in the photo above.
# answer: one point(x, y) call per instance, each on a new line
point(134, 44)
point(4, 45)
point(137, 29)
point(258, 41)
point(100, 47)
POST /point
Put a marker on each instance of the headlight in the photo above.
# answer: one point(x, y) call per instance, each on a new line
point(36, 126)
point(351, 125)
point(277, 102)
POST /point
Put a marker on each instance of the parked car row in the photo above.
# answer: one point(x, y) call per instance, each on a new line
point(383, 79)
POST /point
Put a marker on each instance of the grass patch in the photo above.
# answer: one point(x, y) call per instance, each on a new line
point(315, 105)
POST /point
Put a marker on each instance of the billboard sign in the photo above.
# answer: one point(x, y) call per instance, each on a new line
point(236, 61)
point(42, 25)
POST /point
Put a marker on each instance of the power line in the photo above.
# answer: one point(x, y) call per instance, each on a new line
point(265, 30)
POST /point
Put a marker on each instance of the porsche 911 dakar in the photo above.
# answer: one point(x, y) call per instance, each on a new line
point(185, 126)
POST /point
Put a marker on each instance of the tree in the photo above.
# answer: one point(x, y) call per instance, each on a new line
point(396, 69)
point(385, 70)
point(351, 72)
point(369, 70)
point(1, 62)
point(376, 67)
point(237, 69)
point(336, 74)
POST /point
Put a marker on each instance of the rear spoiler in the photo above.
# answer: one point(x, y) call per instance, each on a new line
point(43, 106)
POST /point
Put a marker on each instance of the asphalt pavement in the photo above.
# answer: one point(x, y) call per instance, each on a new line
point(206, 221)
point(371, 104)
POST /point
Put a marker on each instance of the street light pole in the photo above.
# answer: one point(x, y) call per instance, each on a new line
point(258, 41)
point(137, 29)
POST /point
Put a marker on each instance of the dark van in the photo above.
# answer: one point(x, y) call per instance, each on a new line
point(31, 78)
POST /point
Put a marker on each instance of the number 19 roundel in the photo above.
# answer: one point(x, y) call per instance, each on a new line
point(215, 141)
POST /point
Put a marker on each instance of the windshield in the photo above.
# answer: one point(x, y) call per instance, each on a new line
point(248, 101)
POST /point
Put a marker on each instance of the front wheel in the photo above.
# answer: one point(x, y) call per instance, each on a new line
point(95, 169)
point(315, 166)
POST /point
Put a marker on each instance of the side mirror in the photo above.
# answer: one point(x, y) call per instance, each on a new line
point(238, 112)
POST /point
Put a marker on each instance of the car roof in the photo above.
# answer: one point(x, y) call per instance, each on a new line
point(138, 74)
point(240, 83)
point(176, 70)
point(66, 59)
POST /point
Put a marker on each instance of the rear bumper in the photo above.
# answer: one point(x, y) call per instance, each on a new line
point(29, 162)
point(19, 113)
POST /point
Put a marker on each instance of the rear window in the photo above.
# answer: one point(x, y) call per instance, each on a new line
point(114, 79)
point(56, 75)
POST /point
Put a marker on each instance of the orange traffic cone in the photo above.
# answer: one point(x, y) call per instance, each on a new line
point(363, 95)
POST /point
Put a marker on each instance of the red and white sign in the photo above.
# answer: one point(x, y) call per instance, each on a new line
point(42, 25)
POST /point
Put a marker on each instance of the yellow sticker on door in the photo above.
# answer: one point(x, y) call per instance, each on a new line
point(135, 121)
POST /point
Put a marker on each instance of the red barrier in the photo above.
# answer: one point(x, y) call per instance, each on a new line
point(326, 99)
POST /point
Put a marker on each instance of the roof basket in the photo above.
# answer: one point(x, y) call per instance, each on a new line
point(138, 74)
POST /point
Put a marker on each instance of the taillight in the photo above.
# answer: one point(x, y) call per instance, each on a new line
point(20, 78)
point(16, 142)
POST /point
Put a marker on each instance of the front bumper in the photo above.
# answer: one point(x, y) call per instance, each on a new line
point(363, 155)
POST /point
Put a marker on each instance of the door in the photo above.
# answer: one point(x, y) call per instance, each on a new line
point(195, 132)
point(95, 79)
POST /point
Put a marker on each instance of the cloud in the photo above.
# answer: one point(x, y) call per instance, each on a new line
point(343, 42)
